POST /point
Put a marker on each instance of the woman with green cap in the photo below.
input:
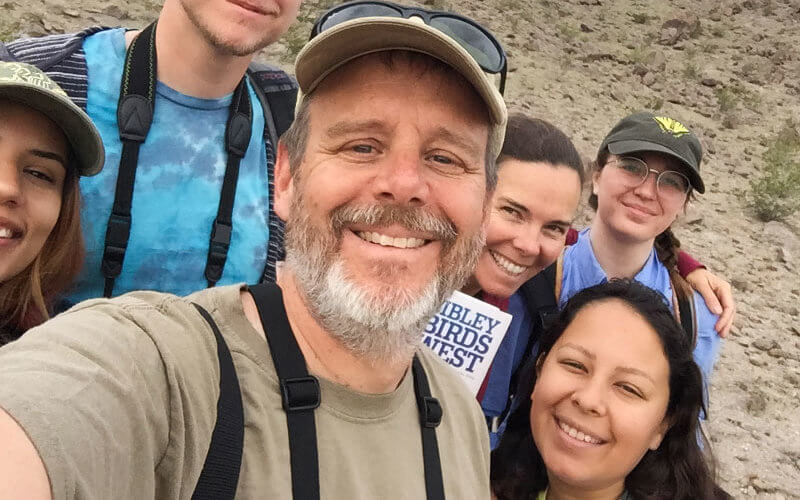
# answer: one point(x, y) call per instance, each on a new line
point(46, 144)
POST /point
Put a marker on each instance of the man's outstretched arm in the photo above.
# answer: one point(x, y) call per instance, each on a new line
point(22, 473)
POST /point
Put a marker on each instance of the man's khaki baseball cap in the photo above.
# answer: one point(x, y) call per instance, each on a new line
point(29, 85)
point(340, 44)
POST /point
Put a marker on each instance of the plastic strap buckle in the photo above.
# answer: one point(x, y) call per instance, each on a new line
point(431, 412)
point(117, 234)
point(221, 234)
point(300, 394)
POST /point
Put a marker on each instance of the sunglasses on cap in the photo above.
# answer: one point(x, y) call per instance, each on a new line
point(474, 38)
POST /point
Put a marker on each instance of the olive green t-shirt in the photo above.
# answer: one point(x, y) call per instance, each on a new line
point(119, 397)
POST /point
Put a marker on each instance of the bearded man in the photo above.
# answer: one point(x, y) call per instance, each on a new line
point(383, 180)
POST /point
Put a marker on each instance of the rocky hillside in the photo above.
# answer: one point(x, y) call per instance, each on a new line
point(728, 68)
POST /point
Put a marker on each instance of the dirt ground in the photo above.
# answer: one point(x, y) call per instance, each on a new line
point(727, 68)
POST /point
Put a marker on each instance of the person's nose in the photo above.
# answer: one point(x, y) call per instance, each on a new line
point(528, 242)
point(649, 187)
point(10, 188)
point(591, 397)
point(401, 179)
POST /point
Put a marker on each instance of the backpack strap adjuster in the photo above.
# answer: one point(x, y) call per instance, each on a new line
point(117, 233)
point(431, 412)
point(300, 394)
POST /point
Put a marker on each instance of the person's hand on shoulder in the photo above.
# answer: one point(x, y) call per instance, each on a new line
point(718, 295)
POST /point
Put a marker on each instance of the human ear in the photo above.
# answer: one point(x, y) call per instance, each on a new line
point(658, 436)
point(284, 183)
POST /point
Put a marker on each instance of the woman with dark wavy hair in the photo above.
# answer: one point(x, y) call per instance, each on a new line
point(609, 409)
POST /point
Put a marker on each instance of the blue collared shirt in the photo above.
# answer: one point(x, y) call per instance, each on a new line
point(581, 270)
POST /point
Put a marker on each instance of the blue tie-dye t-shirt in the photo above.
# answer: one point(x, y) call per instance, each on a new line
point(177, 189)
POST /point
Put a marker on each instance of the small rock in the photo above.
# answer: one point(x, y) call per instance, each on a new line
point(776, 353)
point(586, 29)
point(48, 26)
point(784, 255)
point(756, 402)
point(669, 36)
point(741, 284)
point(755, 361)
point(762, 487)
point(71, 13)
point(649, 79)
point(765, 345)
point(115, 11)
point(617, 94)
point(675, 30)
point(710, 82)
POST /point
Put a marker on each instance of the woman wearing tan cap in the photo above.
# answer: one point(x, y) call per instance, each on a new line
point(46, 144)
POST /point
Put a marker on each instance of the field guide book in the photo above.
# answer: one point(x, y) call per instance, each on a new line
point(466, 333)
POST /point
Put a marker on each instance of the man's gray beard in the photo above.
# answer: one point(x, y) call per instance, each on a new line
point(386, 325)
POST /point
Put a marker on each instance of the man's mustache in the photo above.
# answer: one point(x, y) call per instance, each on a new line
point(413, 219)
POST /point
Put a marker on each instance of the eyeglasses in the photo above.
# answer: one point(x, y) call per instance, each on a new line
point(474, 38)
point(672, 186)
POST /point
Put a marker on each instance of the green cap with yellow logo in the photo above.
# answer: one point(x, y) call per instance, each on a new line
point(29, 85)
point(645, 131)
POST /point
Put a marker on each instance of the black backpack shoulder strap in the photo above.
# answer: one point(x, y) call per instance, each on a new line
point(277, 93)
point(300, 391)
point(220, 474)
point(430, 412)
point(134, 117)
point(301, 395)
point(540, 299)
point(279, 90)
point(686, 313)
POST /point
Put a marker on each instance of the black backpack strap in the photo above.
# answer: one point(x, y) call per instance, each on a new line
point(280, 92)
point(220, 474)
point(687, 315)
point(134, 117)
point(430, 412)
point(540, 299)
point(539, 293)
point(237, 138)
point(277, 93)
point(300, 391)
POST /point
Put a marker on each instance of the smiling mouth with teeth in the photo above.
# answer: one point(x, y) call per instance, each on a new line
point(506, 264)
point(7, 233)
point(388, 241)
point(579, 435)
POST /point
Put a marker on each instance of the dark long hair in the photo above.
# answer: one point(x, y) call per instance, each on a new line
point(535, 140)
point(678, 469)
